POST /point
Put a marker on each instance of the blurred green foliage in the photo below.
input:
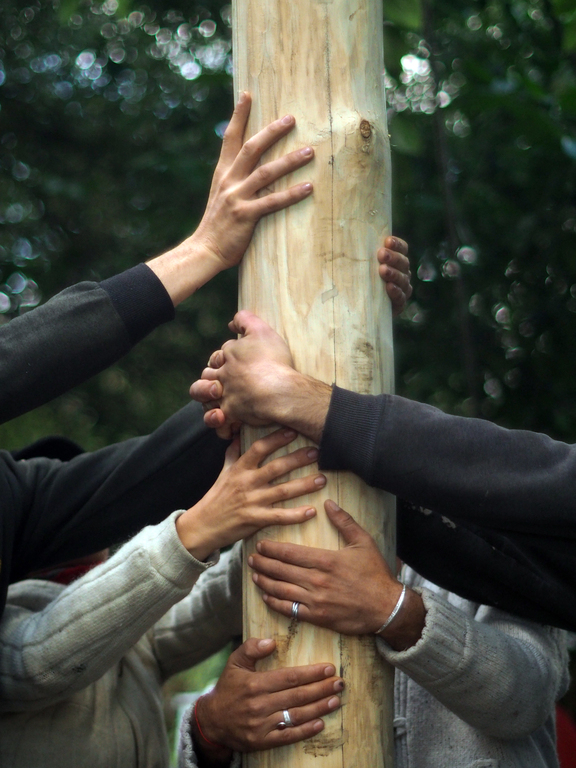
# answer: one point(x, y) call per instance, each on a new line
point(483, 122)
point(110, 121)
point(111, 117)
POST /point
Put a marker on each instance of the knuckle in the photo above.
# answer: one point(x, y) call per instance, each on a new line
point(282, 492)
point(259, 450)
point(237, 212)
point(248, 149)
point(253, 710)
point(300, 698)
point(267, 204)
point(251, 740)
point(252, 687)
point(292, 678)
point(264, 175)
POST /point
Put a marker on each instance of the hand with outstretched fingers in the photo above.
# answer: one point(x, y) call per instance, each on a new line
point(236, 202)
point(327, 583)
point(242, 499)
point(239, 198)
point(350, 590)
point(243, 711)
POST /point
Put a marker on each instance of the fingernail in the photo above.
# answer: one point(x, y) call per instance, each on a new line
point(312, 453)
point(320, 481)
point(241, 97)
point(255, 578)
point(265, 643)
point(259, 547)
point(333, 702)
point(339, 685)
point(287, 119)
point(318, 725)
point(214, 391)
point(307, 152)
point(307, 187)
point(329, 670)
point(265, 598)
point(289, 433)
point(310, 512)
point(250, 561)
point(385, 257)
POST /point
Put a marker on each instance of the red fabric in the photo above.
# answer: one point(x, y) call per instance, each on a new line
point(566, 736)
point(66, 574)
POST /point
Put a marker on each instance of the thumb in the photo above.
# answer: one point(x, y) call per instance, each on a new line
point(252, 651)
point(344, 523)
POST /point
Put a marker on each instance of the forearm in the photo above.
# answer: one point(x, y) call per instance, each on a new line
point(205, 620)
point(463, 467)
point(499, 674)
point(48, 654)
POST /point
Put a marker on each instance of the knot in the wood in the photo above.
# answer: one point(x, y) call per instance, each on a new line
point(365, 129)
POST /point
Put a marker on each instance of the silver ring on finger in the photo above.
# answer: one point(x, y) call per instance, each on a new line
point(286, 721)
point(295, 606)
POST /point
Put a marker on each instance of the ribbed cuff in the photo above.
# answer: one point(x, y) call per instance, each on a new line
point(437, 655)
point(186, 752)
point(140, 299)
point(349, 435)
point(169, 556)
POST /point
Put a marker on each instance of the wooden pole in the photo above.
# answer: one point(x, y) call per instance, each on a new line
point(311, 273)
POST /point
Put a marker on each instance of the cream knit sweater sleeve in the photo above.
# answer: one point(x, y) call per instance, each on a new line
point(498, 673)
point(55, 640)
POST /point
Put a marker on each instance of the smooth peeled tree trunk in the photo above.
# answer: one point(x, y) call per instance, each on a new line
point(311, 272)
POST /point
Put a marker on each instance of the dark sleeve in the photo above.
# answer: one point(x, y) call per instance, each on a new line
point(466, 468)
point(529, 575)
point(64, 510)
point(75, 335)
point(484, 512)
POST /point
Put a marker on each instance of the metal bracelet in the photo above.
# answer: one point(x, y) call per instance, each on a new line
point(395, 612)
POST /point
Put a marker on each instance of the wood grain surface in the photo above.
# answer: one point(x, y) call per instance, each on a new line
point(311, 272)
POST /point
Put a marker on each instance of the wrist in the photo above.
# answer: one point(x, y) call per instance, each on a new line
point(199, 540)
point(210, 751)
point(407, 626)
point(186, 268)
point(302, 404)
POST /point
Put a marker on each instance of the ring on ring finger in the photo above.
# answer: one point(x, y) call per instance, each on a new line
point(286, 721)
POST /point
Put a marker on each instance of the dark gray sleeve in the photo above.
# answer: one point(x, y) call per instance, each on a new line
point(467, 468)
point(62, 510)
point(78, 333)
